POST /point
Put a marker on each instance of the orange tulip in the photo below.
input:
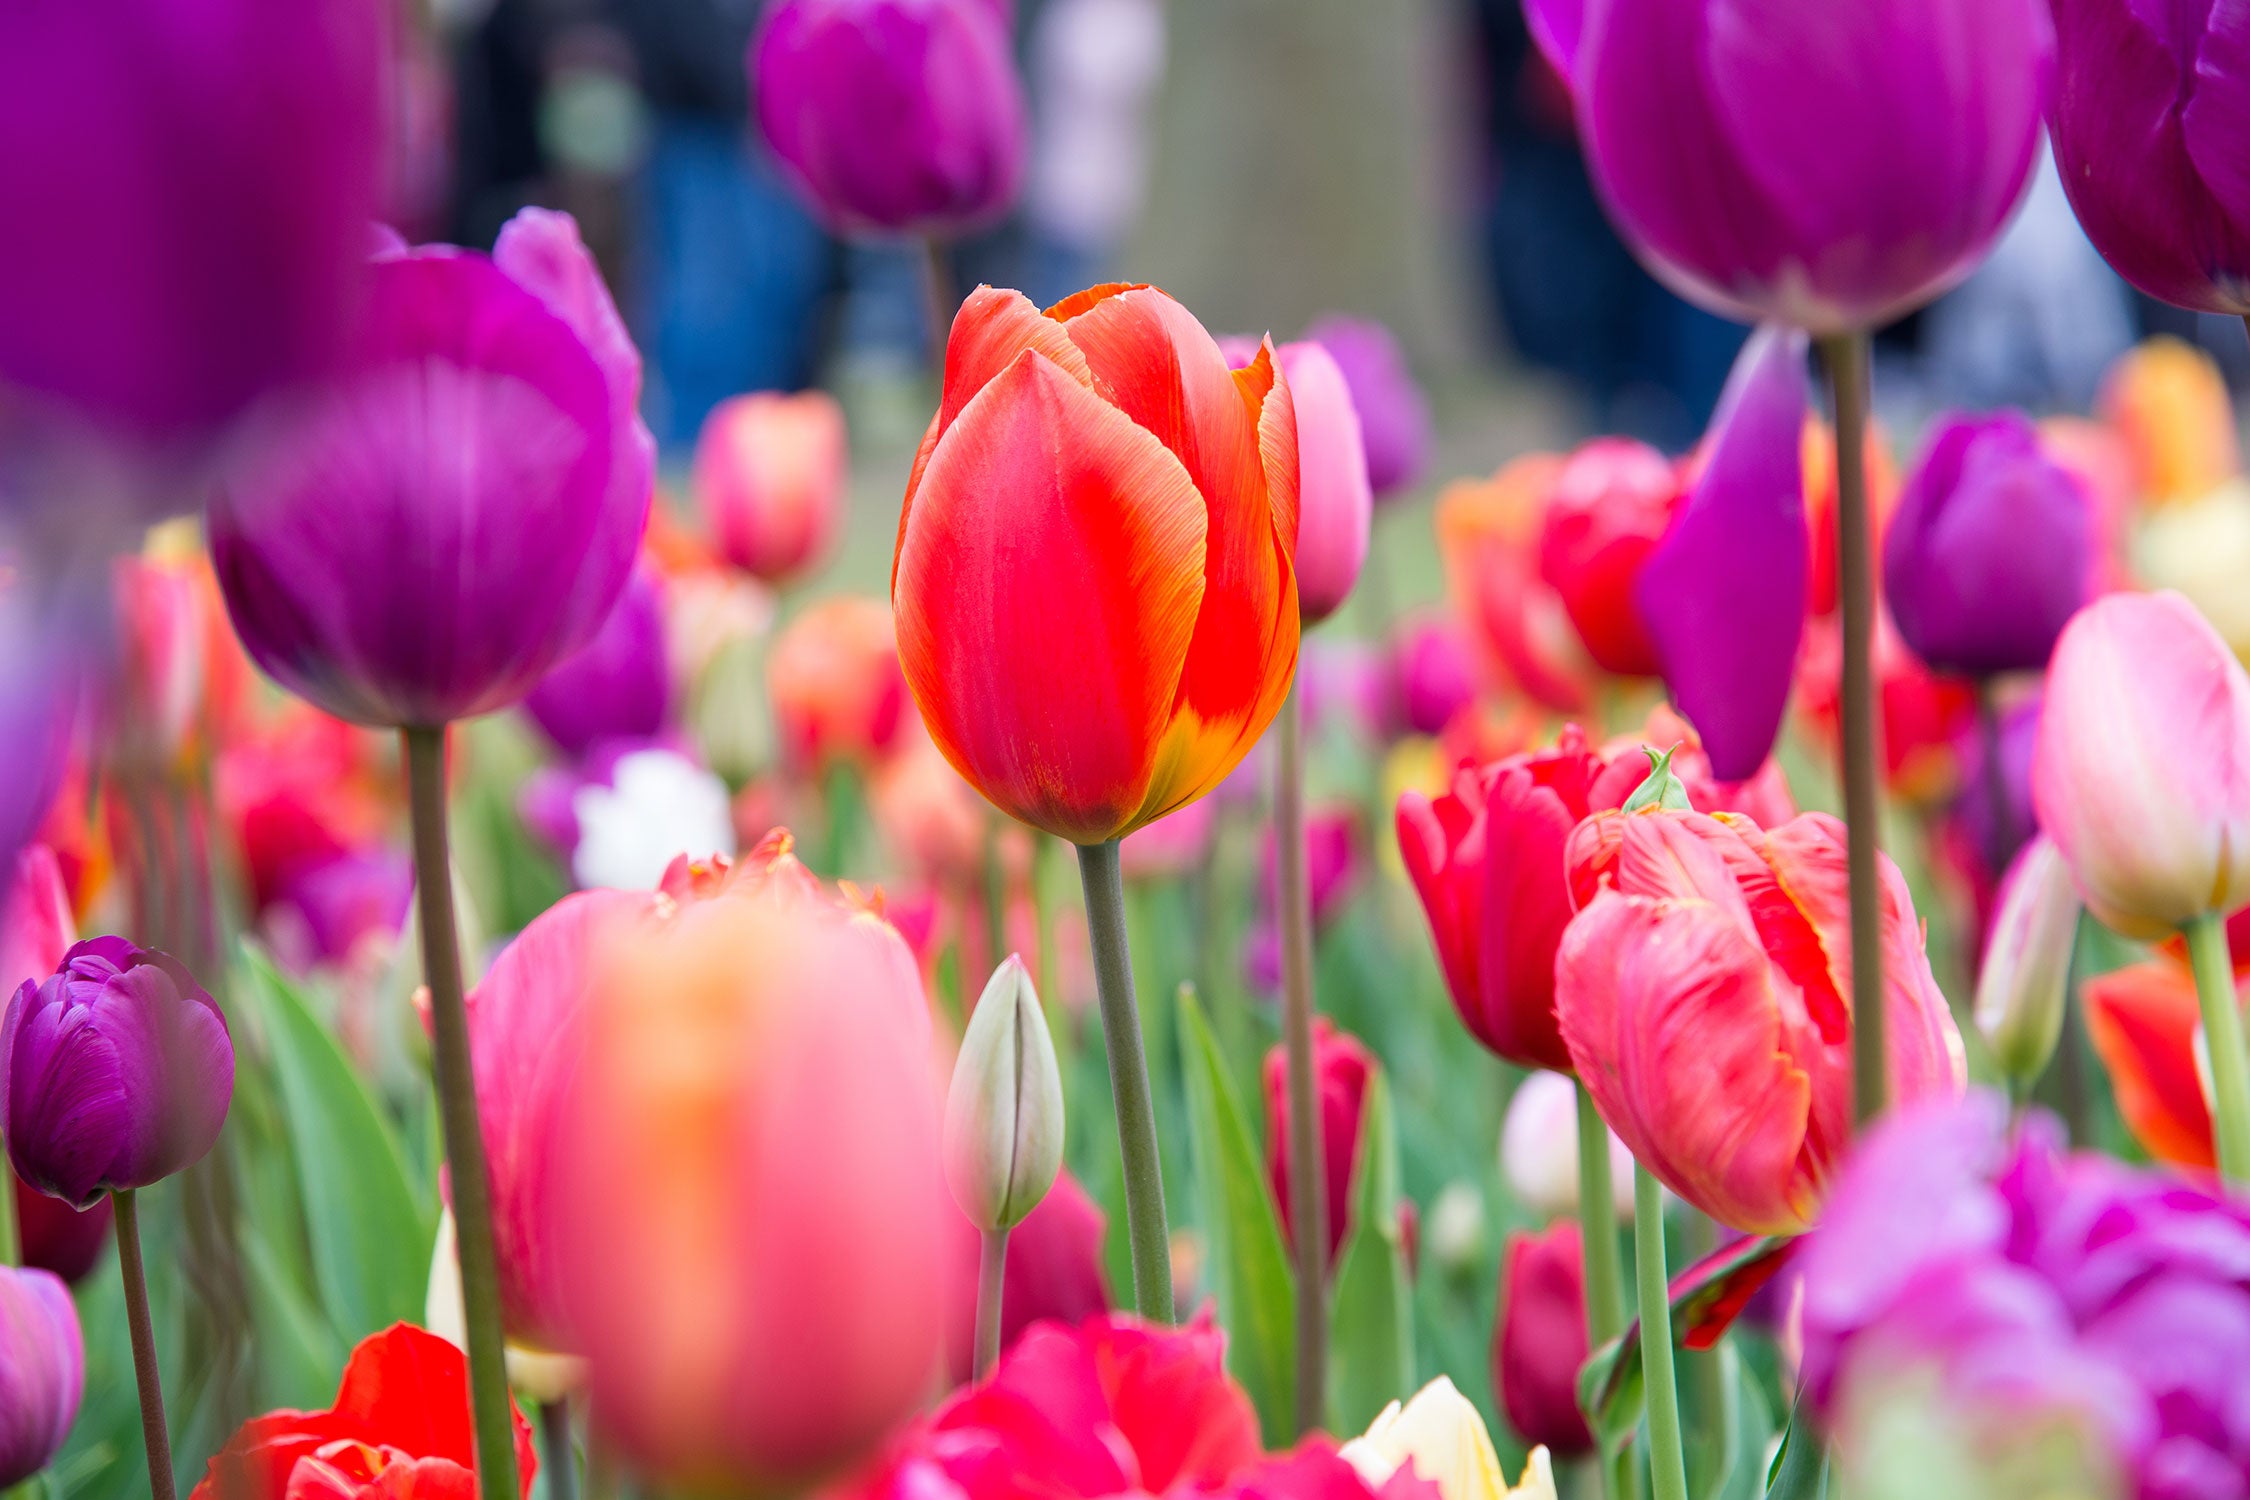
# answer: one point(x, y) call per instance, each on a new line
point(1096, 600)
point(770, 477)
point(2142, 1021)
point(1488, 532)
point(2169, 403)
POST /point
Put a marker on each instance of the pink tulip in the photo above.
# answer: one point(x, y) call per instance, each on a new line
point(1704, 993)
point(36, 923)
point(1334, 503)
point(770, 475)
point(2142, 771)
point(1342, 1066)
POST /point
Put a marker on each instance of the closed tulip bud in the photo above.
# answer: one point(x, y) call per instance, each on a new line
point(42, 1371)
point(1394, 415)
point(1097, 611)
point(1342, 1066)
point(1611, 504)
point(1442, 1440)
point(1991, 550)
point(2142, 771)
point(1539, 1149)
point(619, 687)
point(2024, 981)
point(770, 476)
point(895, 116)
point(1334, 504)
point(115, 1072)
point(1539, 1340)
point(1004, 1111)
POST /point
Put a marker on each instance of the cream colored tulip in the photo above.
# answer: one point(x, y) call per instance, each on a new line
point(1441, 1434)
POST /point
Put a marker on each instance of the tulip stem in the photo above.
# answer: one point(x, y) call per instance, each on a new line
point(1846, 357)
point(2003, 830)
point(11, 1238)
point(1605, 1277)
point(1308, 1212)
point(457, 1110)
point(153, 1431)
point(1128, 1081)
point(992, 1275)
point(995, 897)
point(939, 300)
point(2222, 1034)
point(1666, 1466)
point(562, 1452)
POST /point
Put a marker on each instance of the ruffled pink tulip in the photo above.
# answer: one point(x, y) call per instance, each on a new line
point(770, 475)
point(1334, 503)
point(1704, 991)
point(2142, 771)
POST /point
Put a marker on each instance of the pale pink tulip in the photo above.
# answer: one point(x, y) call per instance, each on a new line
point(1334, 503)
point(770, 473)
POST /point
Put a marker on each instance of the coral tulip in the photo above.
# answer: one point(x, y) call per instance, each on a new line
point(2142, 772)
point(1342, 1066)
point(892, 115)
point(42, 1371)
point(1488, 534)
point(457, 514)
point(619, 687)
point(1054, 1273)
point(1708, 939)
point(770, 476)
point(1540, 1339)
point(1611, 504)
point(835, 685)
point(1394, 415)
point(1827, 169)
point(1096, 606)
point(1334, 503)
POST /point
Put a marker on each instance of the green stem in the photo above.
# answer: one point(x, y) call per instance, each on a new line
point(1846, 357)
point(840, 794)
point(992, 1275)
point(561, 1452)
point(1667, 1467)
point(995, 896)
point(457, 1112)
point(1128, 1082)
point(2222, 1033)
point(1605, 1277)
point(11, 1238)
point(1701, 1378)
point(1308, 1209)
point(154, 1434)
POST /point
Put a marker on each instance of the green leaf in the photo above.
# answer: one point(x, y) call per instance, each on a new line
point(369, 1235)
point(1800, 1469)
point(300, 1359)
point(1249, 1269)
point(1750, 1428)
point(1371, 1349)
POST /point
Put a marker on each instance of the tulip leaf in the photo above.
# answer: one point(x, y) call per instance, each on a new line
point(1248, 1267)
point(1800, 1469)
point(370, 1237)
point(1371, 1351)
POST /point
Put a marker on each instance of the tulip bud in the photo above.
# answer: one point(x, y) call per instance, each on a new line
point(770, 477)
point(1004, 1112)
point(115, 1072)
point(1440, 1439)
point(1334, 504)
point(1540, 1339)
point(42, 1371)
point(1342, 1066)
point(1539, 1149)
point(2022, 986)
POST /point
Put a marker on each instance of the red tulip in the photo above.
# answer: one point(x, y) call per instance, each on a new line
point(1097, 610)
point(56, 1237)
point(1540, 1339)
point(770, 475)
point(1054, 1272)
point(2143, 1021)
point(1341, 1067)
point(400, 1430)
point(1923, 715)
point(1610, 505)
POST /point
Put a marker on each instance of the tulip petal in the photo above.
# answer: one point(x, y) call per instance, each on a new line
point(1111, 589)
point(1723, 595)
point(1557, 26)
point(1526, 906)
point(66, 1090)
point(994, 326)
point(2142, 1021)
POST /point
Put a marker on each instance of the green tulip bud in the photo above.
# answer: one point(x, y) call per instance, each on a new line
point(2022, 986)
point(1004, 1111)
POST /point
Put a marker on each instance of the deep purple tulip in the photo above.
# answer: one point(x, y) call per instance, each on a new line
point(42, 1371)
point(619, 687)
point(1990, 550)
point(188, 183)
point(458, 513)
point(2151, 109)
point(893, 116)
point(1394, 416)
point(1827, 166)
point(2017, 819)
point(1723, 595)
point(115, 1072)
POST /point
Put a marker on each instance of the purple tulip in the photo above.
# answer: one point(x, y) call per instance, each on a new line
point(1436, 667)
point(460, 511)
point(1394, 416)
point(1723, 595)
point(1827, 166)
point(115, 1072)
point(42, 1371)
point(2017, 820)
point(893, 116)
point(2035, 1287)
point(1991, 549)
point(188, 186)
point(619, 687)
point(2151, 109)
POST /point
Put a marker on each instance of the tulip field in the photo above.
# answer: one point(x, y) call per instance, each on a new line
point(1166, 937)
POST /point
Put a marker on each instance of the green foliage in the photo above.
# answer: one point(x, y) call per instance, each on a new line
point(1371, 1343)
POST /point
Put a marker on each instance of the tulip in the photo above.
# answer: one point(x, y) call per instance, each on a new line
point(1991, 551)
point(2199, 548)
point(1488, 535)
point(1096, 609)
point(1394, 415)
point(1539, 1149)
point(1004, 1110)
point(1441, 1437)
point(1342, 1066)
point(1540, 1339)
point(2025, 978)
point(55, 1237)
point(42, 1371)
point(2143, 1021)
point(1823, 497)
point(1436, 671)
point(2144, 104)
point(209, 256)
point(619, 687)
point(1609, 508)
point(1722, 595)
point(1334, 503)
point(835, 685)
point(1827, 170)
point(115, 1072)
point(892, 116)
point(1332, 863)
point(770, 476)
point(375, 557)
point(756, 1083)
point(2168, 403)
point(1054, 1273)
point(37, 925)
point(1711, 938)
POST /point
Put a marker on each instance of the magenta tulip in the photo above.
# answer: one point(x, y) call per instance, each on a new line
point(619, 687)
point(42, 1371)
